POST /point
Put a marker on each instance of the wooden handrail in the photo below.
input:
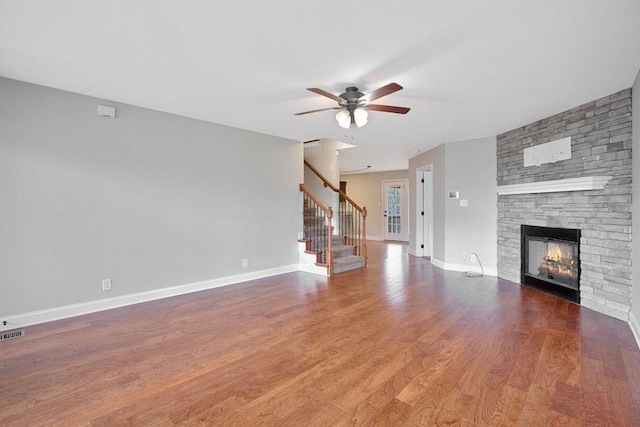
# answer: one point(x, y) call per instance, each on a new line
point(337, 190)
point(327, 211)
point(326, 182)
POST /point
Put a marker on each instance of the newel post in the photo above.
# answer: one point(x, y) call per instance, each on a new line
point(364, 234)
point(329, 240)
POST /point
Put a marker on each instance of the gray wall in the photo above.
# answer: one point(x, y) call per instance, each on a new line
point(635, 302)
point(322, 156)
point(470, 168)
point(600, 134)
point(148, 199)
point(434, 157)
point(366, 190)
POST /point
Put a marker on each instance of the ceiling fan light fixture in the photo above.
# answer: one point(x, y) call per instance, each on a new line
point(344, 118)
point(353, 105)
point(360, 116)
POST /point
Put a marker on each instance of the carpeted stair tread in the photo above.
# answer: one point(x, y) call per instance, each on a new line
point(318, 233)
point(349, 259)
point(340, 251)
point(346, 263)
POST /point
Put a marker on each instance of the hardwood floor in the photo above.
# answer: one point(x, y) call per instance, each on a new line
point(401, 343)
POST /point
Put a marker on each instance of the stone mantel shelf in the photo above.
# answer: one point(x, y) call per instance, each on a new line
point(570, 184)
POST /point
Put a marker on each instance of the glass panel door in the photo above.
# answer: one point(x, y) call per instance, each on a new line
point(395, 220)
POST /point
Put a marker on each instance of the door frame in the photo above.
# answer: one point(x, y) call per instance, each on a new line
point(404, 216)
point(424, 185)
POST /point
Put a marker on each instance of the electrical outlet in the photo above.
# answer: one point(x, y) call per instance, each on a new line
point(465, 256)
point(106, 284)
point(473, 258)
point(245, 263)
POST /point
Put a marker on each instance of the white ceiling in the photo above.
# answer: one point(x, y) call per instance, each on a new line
point(469, 68)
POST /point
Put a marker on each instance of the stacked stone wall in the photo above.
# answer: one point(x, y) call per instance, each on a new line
point(601, 138)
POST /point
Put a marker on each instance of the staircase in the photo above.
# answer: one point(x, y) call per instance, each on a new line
point(336, 256)
point(331, 244)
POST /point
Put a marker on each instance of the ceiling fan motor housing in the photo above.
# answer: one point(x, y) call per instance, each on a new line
point(352, 95)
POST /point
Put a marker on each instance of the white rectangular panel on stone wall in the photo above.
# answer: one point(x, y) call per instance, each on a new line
point(549, 152)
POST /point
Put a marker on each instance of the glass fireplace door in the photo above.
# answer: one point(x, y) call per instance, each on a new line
point(553, 260)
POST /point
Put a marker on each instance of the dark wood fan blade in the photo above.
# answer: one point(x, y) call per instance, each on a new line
point(315, 111)
point(387, 108)
point(383, 91)
point(325, 93)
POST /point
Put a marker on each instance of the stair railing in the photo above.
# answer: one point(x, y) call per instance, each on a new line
point(318, 226)
point(351, 222)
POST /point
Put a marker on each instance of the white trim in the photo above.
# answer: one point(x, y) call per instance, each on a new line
point(418, 253)
point(314, 269)
point(420, 219)
point(448, 266)
point(63, 312)
point(437, 263)
point(571, 184)
point(308, 262)
point(404, 216)
point(635, 328)
point(493, 272)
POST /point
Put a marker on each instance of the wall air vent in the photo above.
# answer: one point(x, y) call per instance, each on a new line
point(7, 335)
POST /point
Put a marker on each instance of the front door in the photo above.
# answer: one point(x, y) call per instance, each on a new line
point(395, 210)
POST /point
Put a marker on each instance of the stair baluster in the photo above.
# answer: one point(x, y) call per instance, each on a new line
point(318, 229)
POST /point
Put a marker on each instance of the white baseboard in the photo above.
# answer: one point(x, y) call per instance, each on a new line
point(635, 328)
point(418, 252)
point(463, 267)
point(313, 269)
point(376, 238)
point(437, 263)
point(63, 312)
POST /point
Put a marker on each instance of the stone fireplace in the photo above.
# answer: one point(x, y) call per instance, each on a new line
point(589, 190)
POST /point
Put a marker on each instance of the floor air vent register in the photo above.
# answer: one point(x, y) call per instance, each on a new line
point(7, 335)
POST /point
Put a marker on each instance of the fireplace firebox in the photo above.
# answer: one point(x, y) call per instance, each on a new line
point(551, 260)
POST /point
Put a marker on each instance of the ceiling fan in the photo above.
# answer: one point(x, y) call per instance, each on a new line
point(353, 104)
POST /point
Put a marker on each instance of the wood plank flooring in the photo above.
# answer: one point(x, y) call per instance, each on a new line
point(400, 343)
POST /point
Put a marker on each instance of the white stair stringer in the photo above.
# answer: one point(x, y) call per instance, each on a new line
point(308, 261)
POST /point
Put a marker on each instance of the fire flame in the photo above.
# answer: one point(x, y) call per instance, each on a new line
point(554, 253)
point(558, 262)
